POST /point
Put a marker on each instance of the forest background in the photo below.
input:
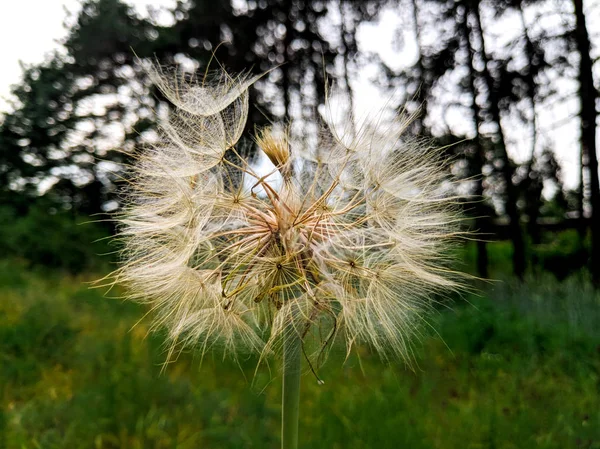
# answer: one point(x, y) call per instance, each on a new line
point(508, 88)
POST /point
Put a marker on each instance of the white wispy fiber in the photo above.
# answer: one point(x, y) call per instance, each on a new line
point(347, 239)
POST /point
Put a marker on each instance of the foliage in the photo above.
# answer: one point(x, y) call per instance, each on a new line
point(561, 254)
point(45, 236)
point(80, 113)
point(516, 367)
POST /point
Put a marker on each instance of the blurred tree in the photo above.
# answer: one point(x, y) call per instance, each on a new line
point(351, 15)
point(459, 50)
point(77, 116)
point(78, 108)
point(492, 82)
point(73, 110)
point(588, 96)
point(523, 62)
point(349, 48)
point(525, 83)
point(30, 131)
point(478, 153)
point(433, 61)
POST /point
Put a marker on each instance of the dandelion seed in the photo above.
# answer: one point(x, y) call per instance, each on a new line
point(351, 234)
point(344, 239)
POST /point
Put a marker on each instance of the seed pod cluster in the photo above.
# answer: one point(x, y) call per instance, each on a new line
point(348, 236)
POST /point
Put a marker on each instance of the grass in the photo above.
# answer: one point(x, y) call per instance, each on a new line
point(518, 367)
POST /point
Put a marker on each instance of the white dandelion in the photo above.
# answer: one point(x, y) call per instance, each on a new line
point(352, 234)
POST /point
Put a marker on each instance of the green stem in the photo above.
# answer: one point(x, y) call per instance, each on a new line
point(292, 351)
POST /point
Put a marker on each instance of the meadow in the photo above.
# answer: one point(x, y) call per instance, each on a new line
point(515, 366)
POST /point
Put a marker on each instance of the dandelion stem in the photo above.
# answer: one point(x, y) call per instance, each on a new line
point(291, 388)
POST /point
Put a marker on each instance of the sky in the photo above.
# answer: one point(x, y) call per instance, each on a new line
point(18, 24)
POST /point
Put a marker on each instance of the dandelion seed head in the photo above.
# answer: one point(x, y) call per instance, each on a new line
point(350, 235)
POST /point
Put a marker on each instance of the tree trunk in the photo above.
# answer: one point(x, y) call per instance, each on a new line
point(422, 91)
point(588, 96)
point(349, 43)
point(508, 168)
point(533, 186)
point(478, 161)
point(287, 63)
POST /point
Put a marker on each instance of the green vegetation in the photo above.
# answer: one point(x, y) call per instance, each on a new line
point(517, 367)
point(44, 236)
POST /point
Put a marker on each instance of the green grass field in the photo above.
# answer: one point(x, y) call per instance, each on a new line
point(516, 367)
